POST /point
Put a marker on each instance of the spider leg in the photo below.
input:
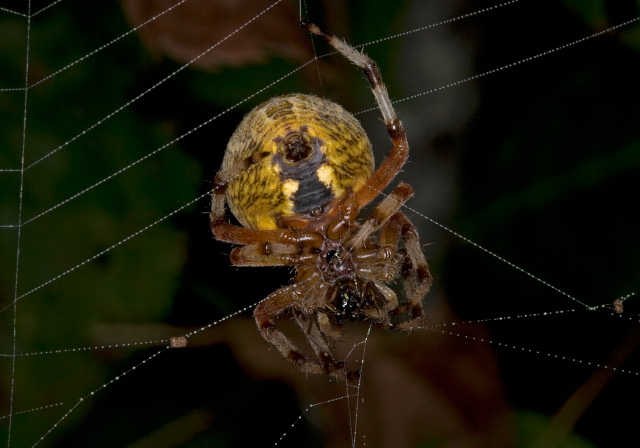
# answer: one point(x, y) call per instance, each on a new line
point(400, 151)
point(390, 205)
point(415, 271)
point(230, 233)
point(333, 331)
point(413, 265)
point(385, 300)
point(274, 254)
point(267, 310)
point(318, 342)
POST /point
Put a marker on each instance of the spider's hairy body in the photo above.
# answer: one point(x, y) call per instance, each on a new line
point(342, 159)
point(296, 173)
point(348, 277)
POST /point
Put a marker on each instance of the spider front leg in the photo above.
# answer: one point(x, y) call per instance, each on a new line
point(380, 266)
point(390, 205)
point(415, 271)
point(392, 164)
point(303, 252)
point(394, 225)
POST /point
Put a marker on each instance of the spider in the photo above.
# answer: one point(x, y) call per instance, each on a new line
point(296, 173)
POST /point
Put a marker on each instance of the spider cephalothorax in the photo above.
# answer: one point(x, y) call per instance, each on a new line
point(296, 173)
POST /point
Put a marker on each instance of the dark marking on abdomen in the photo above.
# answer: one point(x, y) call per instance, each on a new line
point(280, 110)
point(311, 194)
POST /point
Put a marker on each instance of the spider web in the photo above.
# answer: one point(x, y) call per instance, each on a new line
point(106, 254)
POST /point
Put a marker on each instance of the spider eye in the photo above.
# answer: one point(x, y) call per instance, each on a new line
point(296, 147)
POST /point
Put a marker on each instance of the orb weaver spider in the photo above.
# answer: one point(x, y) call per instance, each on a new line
point(296, 173)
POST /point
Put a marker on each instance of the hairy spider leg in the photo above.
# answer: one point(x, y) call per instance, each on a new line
point(415, 271)
point(393, 226)
point(279, 301)
point(320, 345)
point(392, 164)
point(391, 204)
point(273, 254)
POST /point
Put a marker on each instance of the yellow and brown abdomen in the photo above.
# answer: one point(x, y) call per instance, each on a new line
point(315, 151)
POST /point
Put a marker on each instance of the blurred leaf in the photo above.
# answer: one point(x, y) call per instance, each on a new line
point(531, 425)
point(211, 30)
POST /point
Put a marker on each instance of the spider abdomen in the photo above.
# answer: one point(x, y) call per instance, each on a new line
point(308, 151)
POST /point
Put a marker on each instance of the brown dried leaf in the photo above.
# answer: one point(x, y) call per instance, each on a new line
point(213, 27)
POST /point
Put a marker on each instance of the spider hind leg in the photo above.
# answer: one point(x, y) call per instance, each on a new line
point(318, 341)
point(313, 328)
point(265, 312)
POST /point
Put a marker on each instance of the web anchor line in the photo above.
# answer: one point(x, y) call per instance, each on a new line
point(13, 304)
point(502, 259)
point(11, 11)
point(92, 393)
point(166, 342)
point(511, 65)
point(537, 352)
